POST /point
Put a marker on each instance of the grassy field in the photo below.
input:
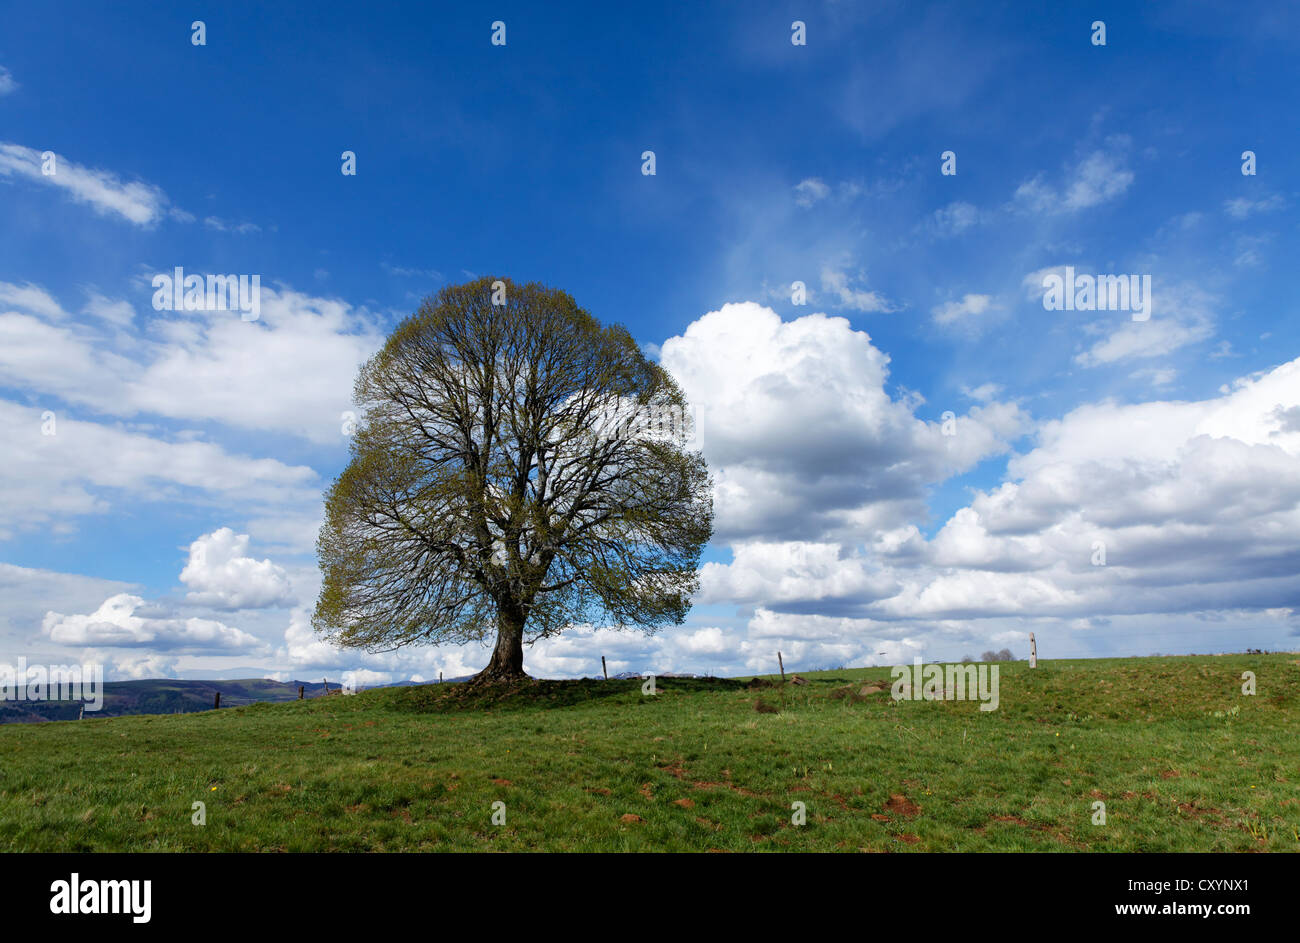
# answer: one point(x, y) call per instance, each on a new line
point(1182, 759)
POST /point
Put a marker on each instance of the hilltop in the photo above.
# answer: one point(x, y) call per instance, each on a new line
point(1180, 757)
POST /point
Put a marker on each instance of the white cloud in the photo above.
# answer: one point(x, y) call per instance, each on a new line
point(968, 306)
point(7, 82)
point(115, 624)
point(139, 203)
point(810, 191)
point(1242, 208)
point(837, 283)
point(32, 299)
point(221, 225)
point(208, 368)
point(1098, 178)
point(954, 219)
point(801, 436)
point(1180, 315)
point(84, 467)
point(221, 574)
point(119, 313)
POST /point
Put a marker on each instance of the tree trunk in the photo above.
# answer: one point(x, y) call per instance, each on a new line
point(507, 662)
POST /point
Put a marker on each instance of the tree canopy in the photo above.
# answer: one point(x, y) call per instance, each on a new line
point(516, 468)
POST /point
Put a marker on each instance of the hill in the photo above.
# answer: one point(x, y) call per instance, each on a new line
point(1180, 757)
point(162, 696)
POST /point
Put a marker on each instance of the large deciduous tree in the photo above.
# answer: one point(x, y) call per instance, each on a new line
point(516, 468)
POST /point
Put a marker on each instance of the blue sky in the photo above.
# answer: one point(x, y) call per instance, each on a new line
point(182, 484)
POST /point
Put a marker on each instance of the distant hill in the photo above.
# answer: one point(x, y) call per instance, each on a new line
point(163, 696)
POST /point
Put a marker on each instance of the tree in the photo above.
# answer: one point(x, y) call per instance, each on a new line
point(515, 468)
point(1004, 655)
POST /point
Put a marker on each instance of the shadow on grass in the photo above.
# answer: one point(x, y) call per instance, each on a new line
point(535, 692)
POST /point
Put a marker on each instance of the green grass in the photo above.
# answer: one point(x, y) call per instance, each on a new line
point(1183, 760)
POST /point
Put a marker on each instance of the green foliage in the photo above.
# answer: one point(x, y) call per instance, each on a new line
point(485, 492)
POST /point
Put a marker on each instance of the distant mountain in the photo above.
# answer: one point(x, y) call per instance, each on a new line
point(163, 696)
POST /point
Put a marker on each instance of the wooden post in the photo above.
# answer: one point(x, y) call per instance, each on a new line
point(603, 668)
point(301, 691)
point(1033, 651)
point(782, 664)
point(440, 677)
point(216, 705)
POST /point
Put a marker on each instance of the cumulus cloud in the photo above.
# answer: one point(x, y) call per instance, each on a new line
point(116, 624)
point(105, 192)
point(1139, 512)
point(221, 574)
point(206, 367)
point(803, 439)
point(7, 82)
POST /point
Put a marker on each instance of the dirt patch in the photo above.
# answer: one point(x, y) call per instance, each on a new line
point(1214, 816)
point(736, 789)
point(502, 782)
point(899, 804)
point(630, 818)
point(908, 839)
point(685, 803)
point(676, 769)
point(853, 693)
point(765, 708)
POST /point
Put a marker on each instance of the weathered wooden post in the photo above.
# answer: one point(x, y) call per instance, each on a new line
point(216, 704)
point(440, 677)
point(603, 668)
point(301, 691)
point(1033, 651)
point(782, 664)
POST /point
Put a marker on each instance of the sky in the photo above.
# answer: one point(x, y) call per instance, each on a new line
point(916, 456)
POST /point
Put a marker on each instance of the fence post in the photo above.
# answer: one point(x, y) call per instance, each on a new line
point(603, 668)
point(301, 691)
point(216, 704)
point(1033, 651)
point(782, 664)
